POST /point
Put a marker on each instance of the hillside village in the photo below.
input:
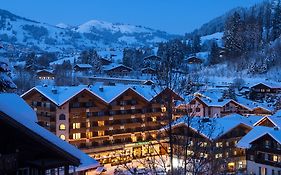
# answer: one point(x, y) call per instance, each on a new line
point(102, 98)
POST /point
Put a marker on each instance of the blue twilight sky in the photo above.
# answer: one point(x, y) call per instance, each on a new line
point(173, 16)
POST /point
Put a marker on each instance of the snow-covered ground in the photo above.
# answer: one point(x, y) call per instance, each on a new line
point(215, 36)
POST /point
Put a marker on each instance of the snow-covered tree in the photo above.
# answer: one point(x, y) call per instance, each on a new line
point(233, 36)
point(276, 21)
point(214, 56)
point(91, 57)
point(6, 82)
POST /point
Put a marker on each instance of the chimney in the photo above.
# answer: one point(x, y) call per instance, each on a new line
point(101, 88)
point(54, 90)
point(276, 128)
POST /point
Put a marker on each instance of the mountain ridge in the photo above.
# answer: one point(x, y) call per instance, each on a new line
point(33, 35)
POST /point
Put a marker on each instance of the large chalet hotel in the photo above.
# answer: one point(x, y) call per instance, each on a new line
point(111, 122)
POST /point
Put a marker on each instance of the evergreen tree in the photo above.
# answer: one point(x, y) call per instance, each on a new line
point(214, 56)
point(276, 22)
point(91, 57)
point(30, 63)
point(6, 82)
point(267, 21)
point(233, 36)
point(196, 44)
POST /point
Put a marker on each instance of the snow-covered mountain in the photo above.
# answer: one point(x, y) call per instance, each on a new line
point(32, 35)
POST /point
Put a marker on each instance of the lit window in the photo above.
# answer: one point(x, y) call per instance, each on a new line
point(226, 154)
point(189, 152)
point(203, 144)
point(100, 123)
point(154, 119)
point(88, 124)
point(235, 153)
point(163, 109)
point(100, 133)
point(62, 137)
point(76, 125)
point(219, 144)
point(134, 139)
point(89, 135)
point(76, 135)
point(218, 156)
point(62, 127)
point(275, 158)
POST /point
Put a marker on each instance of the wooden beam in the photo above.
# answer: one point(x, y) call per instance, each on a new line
point(66, 170)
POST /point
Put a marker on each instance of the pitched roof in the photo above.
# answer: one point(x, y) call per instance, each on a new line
point(214, 97)
point(86, 66)
point(214, 128)
point(61, 94)
point(256, 133)
point(25, 117)
point(272, 85)
point(113, 66)
point(276, 120)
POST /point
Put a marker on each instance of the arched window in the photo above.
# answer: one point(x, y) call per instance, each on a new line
point(62, 117)
point(62, 127)
point(62, 137)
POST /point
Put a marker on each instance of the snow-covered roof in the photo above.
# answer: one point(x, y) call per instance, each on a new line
point(8, 102)
point(86, 66)
point(214, 97)
point(114, 66)
point(276, 120)
point(61, 94)
point(252, 105)
point(256, 133)
point(71, 59)
point(27, 118)
point(272, 85)
point(214, 128)
point(45, 70)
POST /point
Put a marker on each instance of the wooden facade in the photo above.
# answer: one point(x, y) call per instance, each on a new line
point(104, 129)
point(221, 152)
point(45, 75)
point(264, 156)
point(197, 107)
point(24, 152)
point(118, 70)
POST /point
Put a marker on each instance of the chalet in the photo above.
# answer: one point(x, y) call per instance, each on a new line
point(45, 75)
point(82, 67)
point(211, 103)
point(194, 60)
point(29, 149)
point(152, 58)
point(152, 61)
point(259, 90)
point(263, 150)
point(214, 140)
point(148, 71)
point(112, 123)
point(116, 69)
point(105, 61)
